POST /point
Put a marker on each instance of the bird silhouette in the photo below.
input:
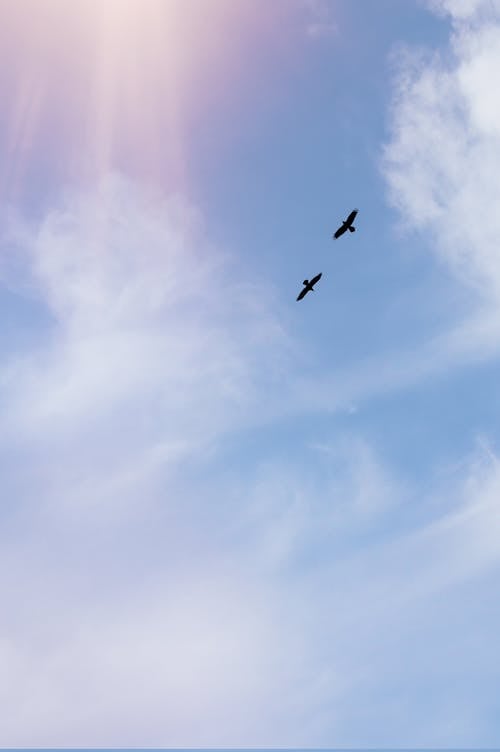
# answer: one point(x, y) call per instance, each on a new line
point(347, 225)
point(309, 285)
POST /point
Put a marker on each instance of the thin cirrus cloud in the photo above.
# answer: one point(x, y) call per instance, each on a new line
point(442, 161)
point(464, 10)
point(133, 291)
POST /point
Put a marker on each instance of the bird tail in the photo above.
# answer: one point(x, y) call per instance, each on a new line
point(352, 229)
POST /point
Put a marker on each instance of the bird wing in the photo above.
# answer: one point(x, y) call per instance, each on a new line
point(340, 231)
point(303, 292)
point(315, 279)
point(352, 216)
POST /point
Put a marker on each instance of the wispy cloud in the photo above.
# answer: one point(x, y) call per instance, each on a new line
point(465, 10)
point(442, 161)
point(139, 303)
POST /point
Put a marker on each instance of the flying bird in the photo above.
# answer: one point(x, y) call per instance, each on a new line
point(308, 286)
point(347, 225)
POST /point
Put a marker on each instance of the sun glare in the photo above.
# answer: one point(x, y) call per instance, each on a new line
point(106, 81)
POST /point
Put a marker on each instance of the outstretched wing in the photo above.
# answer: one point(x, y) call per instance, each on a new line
point(352, 216)
point(315, 279)
point(303, 292)
point(340, 231)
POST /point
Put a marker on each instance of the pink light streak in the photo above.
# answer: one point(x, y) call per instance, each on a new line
point(90, 85)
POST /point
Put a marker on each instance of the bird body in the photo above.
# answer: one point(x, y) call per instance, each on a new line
point(346, 225)
point(309, 285)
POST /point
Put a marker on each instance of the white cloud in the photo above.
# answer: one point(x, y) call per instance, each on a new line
point(443, 158)
point(146, 314)
point(189, 659)
point(163, 630)
point(296, 512)
point(466, 10)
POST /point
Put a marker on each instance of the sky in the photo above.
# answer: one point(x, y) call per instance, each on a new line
point(229, 519)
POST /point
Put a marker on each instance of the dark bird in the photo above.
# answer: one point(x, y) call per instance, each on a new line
point(308, 286)
point(347, 225)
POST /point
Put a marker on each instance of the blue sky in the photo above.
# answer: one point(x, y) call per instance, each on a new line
point(230, 519)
